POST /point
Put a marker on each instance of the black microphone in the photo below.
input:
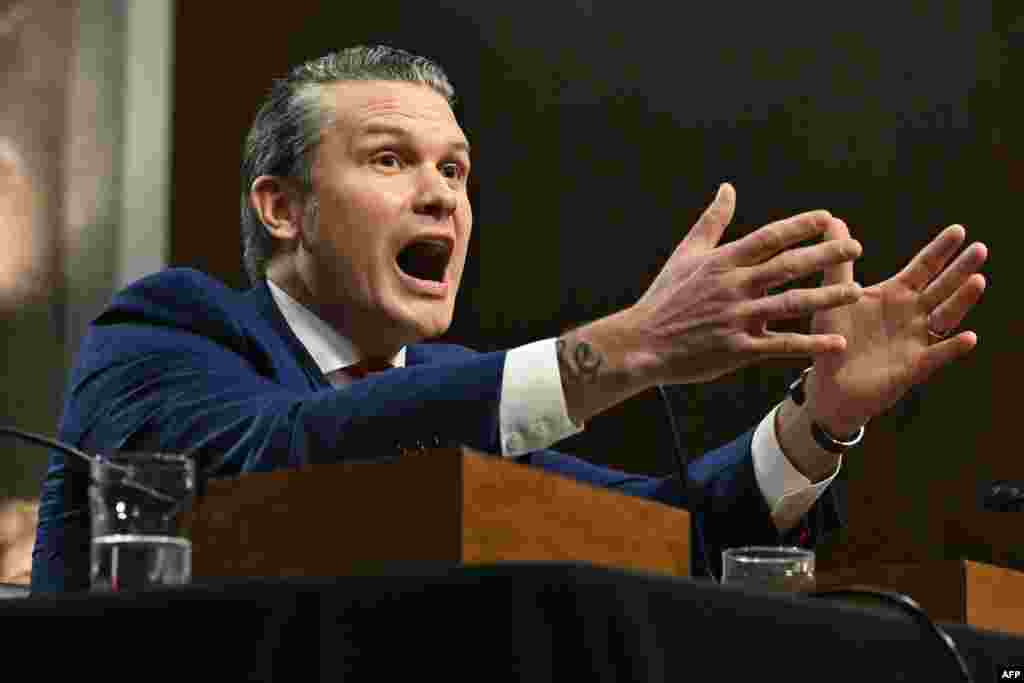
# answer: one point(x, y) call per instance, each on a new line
point(1003, 496)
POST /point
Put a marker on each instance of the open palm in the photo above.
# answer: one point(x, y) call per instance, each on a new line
point(889, 348)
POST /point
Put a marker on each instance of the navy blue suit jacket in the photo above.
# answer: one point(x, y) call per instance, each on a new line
point(179, 362)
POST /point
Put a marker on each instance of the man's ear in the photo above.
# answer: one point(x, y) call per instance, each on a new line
point(279, 205)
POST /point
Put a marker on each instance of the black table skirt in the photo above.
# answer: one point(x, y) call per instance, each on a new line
point(521, 621)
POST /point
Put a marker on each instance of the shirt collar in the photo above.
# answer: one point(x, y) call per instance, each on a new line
point(330, 350)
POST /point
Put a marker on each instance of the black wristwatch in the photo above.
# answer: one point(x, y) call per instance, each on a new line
point(820, 434)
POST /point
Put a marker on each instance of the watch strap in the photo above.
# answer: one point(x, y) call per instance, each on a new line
point(821, 435)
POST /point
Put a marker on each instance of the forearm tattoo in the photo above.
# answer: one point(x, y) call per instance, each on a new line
point(578, 361)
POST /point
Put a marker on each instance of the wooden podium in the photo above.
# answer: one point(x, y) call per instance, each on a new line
point(446, 506)
point(456, 506)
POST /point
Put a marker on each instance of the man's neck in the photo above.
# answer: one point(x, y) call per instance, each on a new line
point(366, 343)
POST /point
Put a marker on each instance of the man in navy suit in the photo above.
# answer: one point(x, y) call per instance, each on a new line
point(356, 221)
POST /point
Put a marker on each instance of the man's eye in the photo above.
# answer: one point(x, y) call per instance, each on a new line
point(388, 160)
point(452, 170)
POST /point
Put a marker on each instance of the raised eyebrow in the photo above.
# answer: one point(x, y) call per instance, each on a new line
point(401, 133)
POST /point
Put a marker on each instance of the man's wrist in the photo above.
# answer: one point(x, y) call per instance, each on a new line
point(831, 428)
point(794, 431)
point(532, 406)
point(602, 364)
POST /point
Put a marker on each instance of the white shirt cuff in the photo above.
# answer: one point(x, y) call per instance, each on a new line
point(788, 493)
point(532, 408)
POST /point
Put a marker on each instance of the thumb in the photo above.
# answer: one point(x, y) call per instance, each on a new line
point(709, 228)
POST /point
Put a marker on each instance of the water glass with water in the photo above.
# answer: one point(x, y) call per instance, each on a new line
point(786, 569)
point(138, 540)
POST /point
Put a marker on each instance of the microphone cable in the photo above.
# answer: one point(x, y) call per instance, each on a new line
point(99, 460)
point(684, 476)
point(47, 441)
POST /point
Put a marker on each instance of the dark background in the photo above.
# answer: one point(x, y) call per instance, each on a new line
point(599, 135)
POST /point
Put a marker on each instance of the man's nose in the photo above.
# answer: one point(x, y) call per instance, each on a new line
point(436, 197)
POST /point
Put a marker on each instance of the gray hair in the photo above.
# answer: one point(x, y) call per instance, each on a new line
point(288, 127)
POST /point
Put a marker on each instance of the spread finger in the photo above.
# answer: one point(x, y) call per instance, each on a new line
point(790, 344)
point(766, 242)
point(953, 277)
point(797, 303)
point(951, 312)
point(930, 261)
point(797, 263)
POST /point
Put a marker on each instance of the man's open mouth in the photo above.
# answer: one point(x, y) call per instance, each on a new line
point(425, 259)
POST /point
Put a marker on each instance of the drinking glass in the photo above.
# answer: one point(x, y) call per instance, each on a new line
point(136, 501)
point(786, 569)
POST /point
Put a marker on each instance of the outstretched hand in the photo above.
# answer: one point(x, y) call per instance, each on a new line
point(707, 312)
point(896, 333)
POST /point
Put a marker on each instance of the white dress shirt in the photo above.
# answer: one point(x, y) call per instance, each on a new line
point(533, 414)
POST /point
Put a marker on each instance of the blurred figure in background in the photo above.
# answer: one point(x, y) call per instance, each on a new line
point(20, 276)
point(19, 281)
